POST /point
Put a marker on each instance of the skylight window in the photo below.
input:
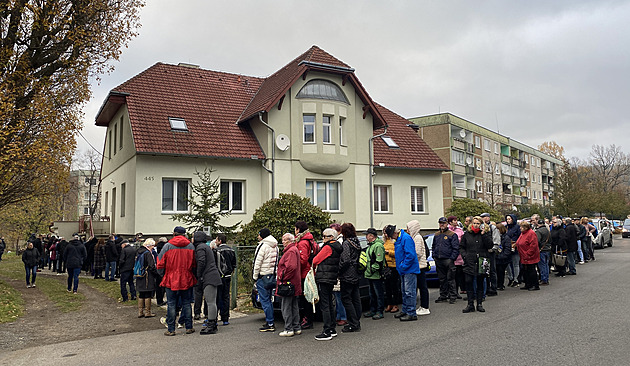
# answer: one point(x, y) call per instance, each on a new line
point(322, 89)
point(178, 124)
point(390, 142)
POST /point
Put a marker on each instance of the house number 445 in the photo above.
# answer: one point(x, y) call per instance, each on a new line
point(149, 178)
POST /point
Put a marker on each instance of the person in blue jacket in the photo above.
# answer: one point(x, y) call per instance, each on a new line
point(408, 267)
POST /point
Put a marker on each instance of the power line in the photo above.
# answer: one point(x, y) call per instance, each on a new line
point(86, 140)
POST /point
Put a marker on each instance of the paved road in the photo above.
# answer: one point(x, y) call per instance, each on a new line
point(577, 320)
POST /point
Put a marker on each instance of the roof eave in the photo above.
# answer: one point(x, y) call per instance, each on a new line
point(110, 106)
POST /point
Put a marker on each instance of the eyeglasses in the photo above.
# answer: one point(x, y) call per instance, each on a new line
point(328, 236)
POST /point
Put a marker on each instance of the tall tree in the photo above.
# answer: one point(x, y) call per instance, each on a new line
point(49, 50)
point(553, 149)
point(610, 167)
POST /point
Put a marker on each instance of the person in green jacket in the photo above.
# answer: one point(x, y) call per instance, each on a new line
point(376, 257)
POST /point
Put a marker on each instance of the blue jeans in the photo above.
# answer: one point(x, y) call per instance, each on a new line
point(73, 277)
point(127, 278)
point(408, 283)
point(580, 251)
point(110, 266)
point(377, 296)
point(186, 298)
point(264, 296)
point(30, 270)
point(341, 311)
point(571, 256)
point(543, 266)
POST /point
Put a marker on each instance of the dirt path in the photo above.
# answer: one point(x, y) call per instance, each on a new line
point(44, 324)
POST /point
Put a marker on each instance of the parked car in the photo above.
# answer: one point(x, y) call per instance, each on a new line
point(431, 275)
point(625, 231)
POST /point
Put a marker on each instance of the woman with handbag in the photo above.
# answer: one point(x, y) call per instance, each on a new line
point(264, 273)
point(289, 286)
point(326, 264)
point(527, 246)
point(475, 243)
point(559, 247)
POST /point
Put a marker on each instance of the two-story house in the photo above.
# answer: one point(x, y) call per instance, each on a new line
point(310, 128)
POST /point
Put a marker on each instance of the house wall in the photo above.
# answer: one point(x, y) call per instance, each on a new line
point(113, 161)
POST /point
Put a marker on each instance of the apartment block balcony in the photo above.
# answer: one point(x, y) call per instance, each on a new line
point(459, 144)
point(460, 192)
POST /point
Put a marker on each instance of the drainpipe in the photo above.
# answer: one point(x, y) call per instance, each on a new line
point(371, 179)
point(273, 156)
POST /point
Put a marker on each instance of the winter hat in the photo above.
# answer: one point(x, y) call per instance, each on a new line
point(264, 233)
point(179, 230)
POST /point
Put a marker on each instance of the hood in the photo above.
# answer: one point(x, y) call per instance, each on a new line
point(179, 241)
point(414, 227)
point(354, 242)
point(270, 240)
point(307, 235)
point(200, 237)
point(514, 220)
point(75, 242)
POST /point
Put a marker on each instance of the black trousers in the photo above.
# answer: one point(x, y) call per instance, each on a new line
point(223, 298)
point(501, 267)
point(492, 283)
point(530, 276)
point(351, 300)
point(446, 274)
point(327, 306)
point(469, 288)
point(198, 293)
point(392, 289)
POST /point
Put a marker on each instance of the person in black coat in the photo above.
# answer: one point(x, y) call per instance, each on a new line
point(208, 279)
point(61, 249)
point(74, 255)
point(559, 244)
point(504, 257)
point(350, 277)
point(145, 285)
point(475, 243)
point(572, 245)
point(89, 261)
point(127, 262)
point(111, 258)
point(159, 290)
point(30, 257)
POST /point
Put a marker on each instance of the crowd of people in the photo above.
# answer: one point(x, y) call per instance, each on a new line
point(471, 258)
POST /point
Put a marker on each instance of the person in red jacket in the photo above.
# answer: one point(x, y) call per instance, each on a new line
point(527, 246)
point(289, 271)
point(175, 263)
point(308, 249)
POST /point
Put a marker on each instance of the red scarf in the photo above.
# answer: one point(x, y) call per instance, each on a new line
point(475, 230)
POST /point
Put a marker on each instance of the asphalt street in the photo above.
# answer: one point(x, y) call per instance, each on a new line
point(577, 320)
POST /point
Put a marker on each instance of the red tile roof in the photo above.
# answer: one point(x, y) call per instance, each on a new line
point(413, 153)
point(213, 102)
point(209, 101)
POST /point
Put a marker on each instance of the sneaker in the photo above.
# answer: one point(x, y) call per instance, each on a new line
point(33, 285)
point(190, 331)
point(441, 299)
point(28, 286)
point(267, 328)
point(350, 329)
point(451, 301)
point(422, 311)
point(180, 326)
point(226, 323)
point(581, 262)
point(297, 332)
point(196, 317)
point(163, 321)
point(377, 316)
point(286, 333)
point(333, 333)
point(75, 293)
point(323, 336)
point(408, 318)
point(369, 314)
point(170, 334)
point(69, 290)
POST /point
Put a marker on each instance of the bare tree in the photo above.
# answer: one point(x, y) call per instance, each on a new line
point(88, 164)
point(610, 167)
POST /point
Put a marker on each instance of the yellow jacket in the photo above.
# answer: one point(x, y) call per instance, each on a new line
point(389, 250)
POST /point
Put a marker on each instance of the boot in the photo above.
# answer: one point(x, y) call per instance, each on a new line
point(147, 305)
point(140, 308)
point(469, 309)
point(211, 328)
point(480, 307)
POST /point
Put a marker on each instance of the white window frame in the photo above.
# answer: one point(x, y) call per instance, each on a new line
point(497, 169)
point(538, 162)
point(178, 124)
point(489, 187)
point(478, 163)
point(486, 144)
point(488, 166)
point(423, 200)
point(342, 137)
point(379, 191)
point(123, 199)
point(496, 148)
point(461, 154)
point(230, 195)
point(327, 129)
point(306, 124)
point(175, 193)
point(328, 186)
point(478, 142)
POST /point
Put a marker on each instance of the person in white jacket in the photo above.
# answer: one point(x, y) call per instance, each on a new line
point(264, 273)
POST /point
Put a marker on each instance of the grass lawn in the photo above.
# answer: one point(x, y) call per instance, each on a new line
point(13, 268)
point(11, 303)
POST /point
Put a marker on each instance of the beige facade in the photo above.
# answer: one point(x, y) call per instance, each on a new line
point(486, 165)
point(334, 172)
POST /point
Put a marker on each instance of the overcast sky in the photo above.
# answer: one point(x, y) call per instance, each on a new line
point(534, 70)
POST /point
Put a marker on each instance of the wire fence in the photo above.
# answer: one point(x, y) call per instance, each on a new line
point(242, 281)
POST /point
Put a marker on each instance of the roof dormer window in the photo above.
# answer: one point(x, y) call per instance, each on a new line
point(322, 89)
point(177, 124)
point(390, 142)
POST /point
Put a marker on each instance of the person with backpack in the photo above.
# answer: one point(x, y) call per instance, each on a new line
point(264, 274)
point(349, 276)
point(145, 271)
point(127, 262)
point(227, 258)
point(208, 280)
point(74, 255)
point(413, 228)
point(375, 253)
point(326, 264)
point(408, 268)
point(308, 249)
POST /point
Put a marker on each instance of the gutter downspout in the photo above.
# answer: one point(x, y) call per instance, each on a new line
point(371, 173)
point(273, 157)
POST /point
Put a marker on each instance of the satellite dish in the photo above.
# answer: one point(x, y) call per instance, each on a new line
point(468, 160)
point(478, 183)
point(282, 142)
point(462, 133)
point(526, 175)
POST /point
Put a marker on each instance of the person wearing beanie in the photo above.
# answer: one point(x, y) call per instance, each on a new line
point(176, 263)
point(127, 262)
point(208, 280)
point(264, 273)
